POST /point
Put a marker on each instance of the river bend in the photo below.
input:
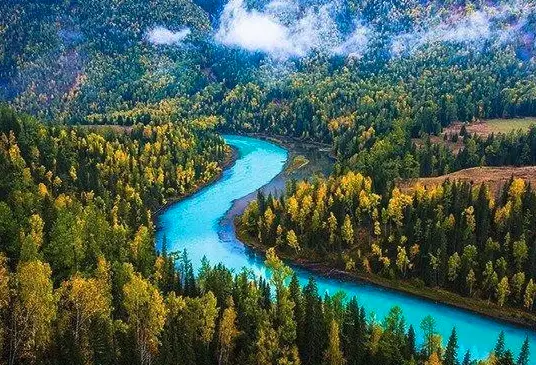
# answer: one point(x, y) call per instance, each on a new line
point(197, 224)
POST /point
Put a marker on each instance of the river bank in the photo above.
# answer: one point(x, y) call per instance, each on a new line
point(231, 155)
point(318, 162)
point(327, 269)
point(478, 306)
point(201, 225)
point(305, 160)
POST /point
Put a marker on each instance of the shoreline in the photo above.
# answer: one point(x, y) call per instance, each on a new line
point(481, 307)
point(228, 162)
point(290, 143)
point(512, 316)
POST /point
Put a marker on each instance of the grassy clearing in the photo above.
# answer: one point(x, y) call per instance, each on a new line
point(495, 177)
point(508, 125)
point(297, 162)
point(486, 127)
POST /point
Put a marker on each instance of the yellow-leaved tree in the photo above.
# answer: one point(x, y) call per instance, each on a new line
point(84, 301)
point(146, 315)
point(33, 310)
point(227, 334)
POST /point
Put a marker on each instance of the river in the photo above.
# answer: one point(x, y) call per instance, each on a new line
point(202, 224)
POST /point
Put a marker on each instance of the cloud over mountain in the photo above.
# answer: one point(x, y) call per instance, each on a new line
point(284, 30)
point(164, 36)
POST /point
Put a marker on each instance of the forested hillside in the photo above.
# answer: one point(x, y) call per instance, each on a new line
point(453, 236)
point(365, 76)
point(82, 283)
point(115, 108)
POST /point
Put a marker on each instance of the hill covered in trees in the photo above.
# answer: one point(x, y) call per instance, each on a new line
point(365, 76)
point(81, 282)
point(378, 80)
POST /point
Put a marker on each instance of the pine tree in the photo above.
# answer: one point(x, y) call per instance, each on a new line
point(451, 352)
point(411, 347)
point(314, 339)
point(499, 346)
point(297, 298)
point(507, 358)
point(523, 358)
point(467, 358)
point(333, 354)
point(187, 275)
point(353, 330)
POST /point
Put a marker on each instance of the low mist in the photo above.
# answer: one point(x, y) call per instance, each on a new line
point(283, 30)
point(164, 36)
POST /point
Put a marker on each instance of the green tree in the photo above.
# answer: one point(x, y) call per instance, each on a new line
point(451, 351)
point(499, 346)
point(520, 253)
point(266, 346)
point(411, 342)
point(491, 279)
point(503, 291)
point(65, 251)
point(142, 251)
point(33, 240)
point(202, 313)
point(524, 353)
point(8, 231)
point(428, 326)
point(518, 282)
point(470, 280)
point(333, 354)
point(4, 298)
point(467, 358)
point(528, 298)
point(314, 325)
point(283, 312)
point(507, 358)
point(454, 265)
point(177, 336)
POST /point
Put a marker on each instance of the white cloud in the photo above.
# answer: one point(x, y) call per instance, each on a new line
point(474, 27)
point(283, 32)
point(164, 36)
point(356, 43)
point(498, 25)
point(252, 30)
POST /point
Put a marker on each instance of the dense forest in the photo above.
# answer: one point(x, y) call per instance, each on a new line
point(82, 282)
point(113, 109)
point(435, 62)
point(456, 236)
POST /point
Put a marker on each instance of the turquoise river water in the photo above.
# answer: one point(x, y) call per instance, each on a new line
point(198, 224)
